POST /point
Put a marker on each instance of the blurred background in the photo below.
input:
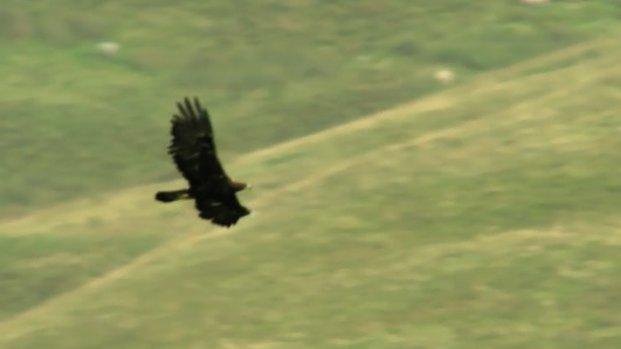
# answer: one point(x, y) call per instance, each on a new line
point(427, 174)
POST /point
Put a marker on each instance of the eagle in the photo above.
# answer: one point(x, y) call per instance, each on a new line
point(194, 152)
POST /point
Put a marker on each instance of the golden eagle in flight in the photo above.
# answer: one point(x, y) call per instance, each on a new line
point(194, 152)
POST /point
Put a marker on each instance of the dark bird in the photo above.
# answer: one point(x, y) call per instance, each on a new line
point(194, 152)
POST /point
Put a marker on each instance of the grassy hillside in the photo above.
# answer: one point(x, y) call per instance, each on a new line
point(76, 123)
point(482, 216)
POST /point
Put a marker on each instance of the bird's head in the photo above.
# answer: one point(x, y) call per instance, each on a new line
point(239, 186)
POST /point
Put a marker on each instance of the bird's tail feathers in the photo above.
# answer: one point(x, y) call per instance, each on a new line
point(170, 196)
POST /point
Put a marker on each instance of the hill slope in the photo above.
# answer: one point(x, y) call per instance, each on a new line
point(484, 216)
point(77, 123)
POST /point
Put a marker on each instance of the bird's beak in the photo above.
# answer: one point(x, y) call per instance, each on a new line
point(249, 186)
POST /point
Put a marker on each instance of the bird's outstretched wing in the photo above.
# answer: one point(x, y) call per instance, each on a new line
point(194, 152)
point(193, 148)
point(225, 211)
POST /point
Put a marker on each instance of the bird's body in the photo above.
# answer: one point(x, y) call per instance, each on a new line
point(194, 152)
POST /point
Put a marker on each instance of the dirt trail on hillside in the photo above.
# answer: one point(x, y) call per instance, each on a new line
point(186, 241)
point(127, 198)
point(113, 205)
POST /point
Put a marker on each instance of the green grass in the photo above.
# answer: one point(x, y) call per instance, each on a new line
point(484, 216)
point(37, 267)
point(75, 123)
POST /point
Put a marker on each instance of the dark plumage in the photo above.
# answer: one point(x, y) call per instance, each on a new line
point(194, 152)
